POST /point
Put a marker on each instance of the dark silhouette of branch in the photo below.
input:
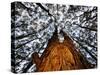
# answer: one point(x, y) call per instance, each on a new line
point(28, 66)
point(86, 49)
point(23, 36)
point(40, 5)
point(23, 44)
point(88, 28)
point(92, 29)
point(22, 5)
point(90, 44)
point(86, 42)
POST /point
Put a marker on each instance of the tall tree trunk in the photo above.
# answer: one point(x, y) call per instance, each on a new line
point(60, 56)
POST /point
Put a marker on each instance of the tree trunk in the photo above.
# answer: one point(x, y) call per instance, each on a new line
point(60, 56)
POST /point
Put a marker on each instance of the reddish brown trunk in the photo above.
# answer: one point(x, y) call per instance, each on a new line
point(59, 56)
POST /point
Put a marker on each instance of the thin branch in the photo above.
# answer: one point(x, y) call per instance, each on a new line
point(92, 29)
point(23, 6)
point(23, 44)
point(87, 50)
point(28, 67)
point(40, 5)
point(86, 42)
point(23, 36)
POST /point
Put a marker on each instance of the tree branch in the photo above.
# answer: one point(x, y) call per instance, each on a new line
point(87, 50)
point(40, 5)
point(86, 42)
point(92, 29)
point(23, 36)
point(28, 66)
point(23, 44)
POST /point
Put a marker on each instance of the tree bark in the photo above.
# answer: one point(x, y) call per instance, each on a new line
point(59, 56)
